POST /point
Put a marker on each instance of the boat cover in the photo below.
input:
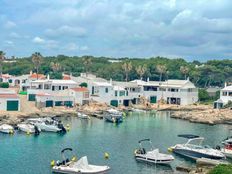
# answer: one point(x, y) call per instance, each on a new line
point(189, 136)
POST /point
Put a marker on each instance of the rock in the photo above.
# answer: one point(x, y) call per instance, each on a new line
point(183, 169)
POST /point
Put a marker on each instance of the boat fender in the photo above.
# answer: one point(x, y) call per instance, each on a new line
point(74, 158)
point(52, 163)
point(170, 149)
point(11, 132)
point(106, 155)
point(37, 132)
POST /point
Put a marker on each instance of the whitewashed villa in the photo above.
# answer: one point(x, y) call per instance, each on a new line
point(225, 97)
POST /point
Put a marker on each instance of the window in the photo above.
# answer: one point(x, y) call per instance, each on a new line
point(86, 95)
point(59, 87)
point(150, 88)
point(162, 89)
point(172, 89)
point(126, 93)
point(116, 93)
point(46, 86)
point(230, 93)
point(106, 90)
point(122, 93)
point(224, 93)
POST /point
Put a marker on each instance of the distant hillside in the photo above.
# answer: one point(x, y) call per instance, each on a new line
point(211, 73)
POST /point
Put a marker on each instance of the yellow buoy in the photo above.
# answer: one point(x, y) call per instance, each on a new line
point(52, 163)
point(106, 155)
point(68, 125)
point(74, 158)
point(11, 131)
point(170, 149)
point(28, 133)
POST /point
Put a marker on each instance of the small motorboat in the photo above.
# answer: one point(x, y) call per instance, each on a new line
point(82, 115)
point(114, 116)
point(153, 155)
point(194, 149)
point(6, 128)
point(77, 167)
point(226, 149)
point(47, 124)
point(29, 128)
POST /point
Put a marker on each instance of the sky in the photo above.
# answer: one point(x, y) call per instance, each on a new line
point(191, 29)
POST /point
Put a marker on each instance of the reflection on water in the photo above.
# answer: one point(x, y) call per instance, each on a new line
point(29, 154)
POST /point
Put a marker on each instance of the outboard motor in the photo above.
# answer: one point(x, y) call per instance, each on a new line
point(61, 126)
point(37, 131)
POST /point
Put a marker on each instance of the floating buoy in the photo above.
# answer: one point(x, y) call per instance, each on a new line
point(11, 131)
point(68, 125)
point(52, 163)
point(135, 152)
point(74, 159)
point(28, 133)
point(170, 149)
point(106, 155)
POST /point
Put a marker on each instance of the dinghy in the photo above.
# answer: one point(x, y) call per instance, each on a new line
point(78, 167)
point(6, 128)
point(114, 116)
point(152, 156)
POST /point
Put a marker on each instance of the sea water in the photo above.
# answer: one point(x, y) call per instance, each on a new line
point(28, 154)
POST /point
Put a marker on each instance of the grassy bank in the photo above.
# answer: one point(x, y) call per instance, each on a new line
point(222, 169)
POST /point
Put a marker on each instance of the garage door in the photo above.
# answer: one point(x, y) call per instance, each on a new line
point(49, 103)
point(12, 105)
point(114, 103)
point(31, 97)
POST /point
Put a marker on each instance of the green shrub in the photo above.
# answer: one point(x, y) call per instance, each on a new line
point(4, 85)
point(84, 84)
point(222, 169)
point(228, 105)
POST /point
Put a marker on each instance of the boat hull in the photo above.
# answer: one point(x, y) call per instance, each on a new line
point(113, 119)
point(63, 171)
point(7, 131)
point(157, 161)
point(195, 155)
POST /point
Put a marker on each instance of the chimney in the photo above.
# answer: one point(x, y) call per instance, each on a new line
point(148, 79)
point(111, 81)
point(48, 77)
point(225, 84)
point(30, 72)
point(188, 79)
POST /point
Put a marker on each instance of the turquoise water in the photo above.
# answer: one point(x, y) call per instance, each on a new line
point(23, 154)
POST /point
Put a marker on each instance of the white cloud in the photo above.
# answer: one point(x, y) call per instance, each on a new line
point(38, 40)
point(67, 31)
point(84, 48)
point(72, 47)
point(14, 35)
point(10, 24)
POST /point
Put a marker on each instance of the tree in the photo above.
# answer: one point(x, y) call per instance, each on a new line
point(37, 60)
point(161, 69)
point(184, 70)
point(55, 66)
point(2, 58)
point(127, 67)
point(141, 70)
point(87, 62)
point(83, 85)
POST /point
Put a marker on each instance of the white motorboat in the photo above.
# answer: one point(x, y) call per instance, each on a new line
point(194, 149)
point(6, 128)
point(152, 156)
point(114, 116)
point(78, 167)
point(28, 128)
point(82, 115)
point(47, 124)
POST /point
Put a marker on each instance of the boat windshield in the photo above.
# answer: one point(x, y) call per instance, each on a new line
point(195, 141)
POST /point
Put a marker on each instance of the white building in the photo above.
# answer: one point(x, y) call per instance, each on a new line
point(80, 95)
point(48, 86)
point(60, 98)
point(225, 97)
point(9, 100)
point(180, 92)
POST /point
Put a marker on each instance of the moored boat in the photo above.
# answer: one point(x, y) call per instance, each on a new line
point(194, 149)
point(6, 128)
point(28, 128)
point(114, 116)
point(153, 155)
point(77, 167)
point(82, 115)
